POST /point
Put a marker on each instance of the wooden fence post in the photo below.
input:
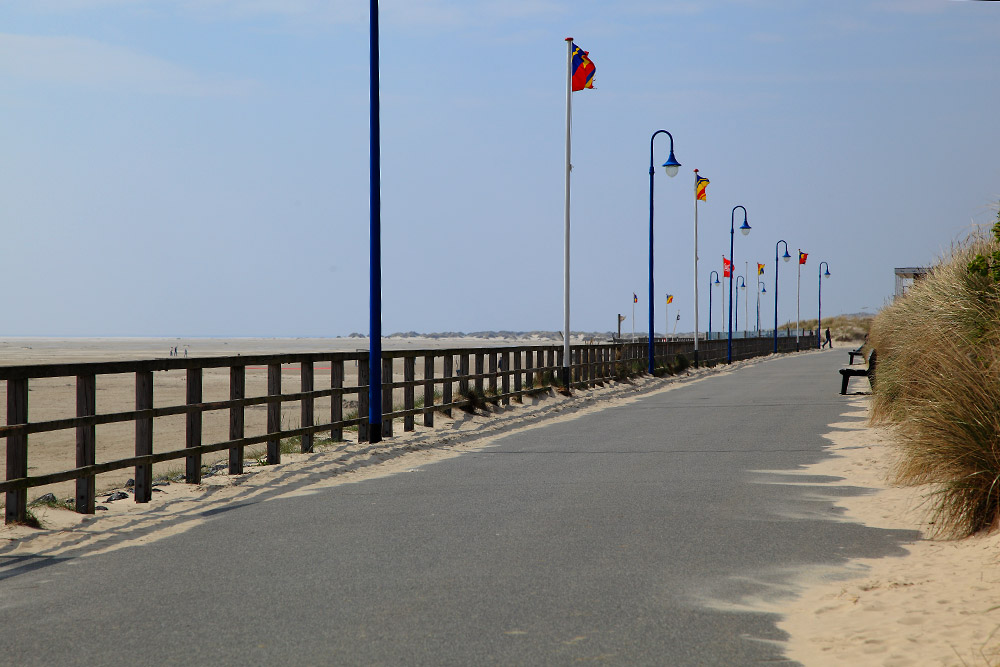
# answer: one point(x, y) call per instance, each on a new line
point(17, 449)
point(409, 375)
point(386, 397)
point(337, 399)
point(192, 464)
point(363, 399)
point(529, 364)
point(274, 414)
point(492, 384)
point(86, 442)
point(308, 404)
point(449, 361)
point(517, 374)
point(143, 436)
point(429, 390)
point(463, 375)
point(237, 392)
point(479, 373)
point(505, 378)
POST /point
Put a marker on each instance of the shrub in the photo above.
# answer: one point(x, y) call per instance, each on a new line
point(938, 382)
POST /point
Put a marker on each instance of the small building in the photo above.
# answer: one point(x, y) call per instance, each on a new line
point(906, 276)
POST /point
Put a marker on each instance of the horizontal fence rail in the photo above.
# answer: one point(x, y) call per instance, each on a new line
point(449, 378)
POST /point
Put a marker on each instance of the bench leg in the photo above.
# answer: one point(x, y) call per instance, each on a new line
point(843, 384)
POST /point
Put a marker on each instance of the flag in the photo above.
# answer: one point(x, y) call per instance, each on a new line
point(678, 317)
point(635, 299)
point(621, 318)
point(583, 69)
point(760, 269)
point(670, 298)
point(727, 268)
point(802, 257)
point(700, 185)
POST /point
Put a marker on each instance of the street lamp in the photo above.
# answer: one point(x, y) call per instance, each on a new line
point(670, 166)
point(819, 313)
point(375, 238)
point(744, 229)
point(761, 289)
point(741, 283)
point(785, 257)
point(710, 286)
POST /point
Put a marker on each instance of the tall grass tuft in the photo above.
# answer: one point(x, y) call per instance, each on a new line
point(938, 382)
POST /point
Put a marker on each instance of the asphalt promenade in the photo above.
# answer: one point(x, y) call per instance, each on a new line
point(627, 536)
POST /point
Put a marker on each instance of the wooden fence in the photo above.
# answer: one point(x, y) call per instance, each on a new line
point(496, 374)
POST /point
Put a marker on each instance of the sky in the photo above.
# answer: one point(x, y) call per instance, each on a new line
point(201, 167)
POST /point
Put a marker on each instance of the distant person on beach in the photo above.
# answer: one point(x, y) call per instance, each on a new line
point(828, 341)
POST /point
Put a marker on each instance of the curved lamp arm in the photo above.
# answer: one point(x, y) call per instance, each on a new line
point(671, 165)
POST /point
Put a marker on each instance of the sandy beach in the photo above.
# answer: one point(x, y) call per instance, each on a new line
point(938, 605)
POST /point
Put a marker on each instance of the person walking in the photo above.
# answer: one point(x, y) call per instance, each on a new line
point(828, 341)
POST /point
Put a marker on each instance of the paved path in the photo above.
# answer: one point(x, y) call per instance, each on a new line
point(597, 539)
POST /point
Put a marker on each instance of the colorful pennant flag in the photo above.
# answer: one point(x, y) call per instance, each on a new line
point(670, 298)
point(635, 299)
point(700, 186)
point(802, 257)
point(760, 269)
point(583, 69)
point(727, 268)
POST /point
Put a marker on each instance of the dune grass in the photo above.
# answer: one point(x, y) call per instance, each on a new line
point(938, 383)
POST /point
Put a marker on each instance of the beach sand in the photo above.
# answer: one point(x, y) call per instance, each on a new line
point(938, 605)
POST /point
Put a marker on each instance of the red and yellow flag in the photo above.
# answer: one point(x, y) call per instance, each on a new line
point(727, 268)
point(583, 69)
point(802, 257)
point(760, 269)
point(670, 298)
point(700, 186)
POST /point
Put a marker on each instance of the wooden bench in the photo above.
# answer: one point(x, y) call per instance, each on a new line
point(857, 353)
point(848, 373)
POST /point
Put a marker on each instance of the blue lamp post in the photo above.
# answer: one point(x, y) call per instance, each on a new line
point(819, 313)
point(785, 257)
point(671, 166)
point(375, 243)
point(741, 284)
point(710, 286)
point(761, 289)
point(744, 229)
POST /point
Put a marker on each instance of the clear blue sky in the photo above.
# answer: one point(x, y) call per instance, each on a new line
point(200, 167)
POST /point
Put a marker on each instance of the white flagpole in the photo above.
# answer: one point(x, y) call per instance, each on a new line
point(798, 285)
point(569, 167)
point(633, 320)
point(695, 270)
point(746, 298)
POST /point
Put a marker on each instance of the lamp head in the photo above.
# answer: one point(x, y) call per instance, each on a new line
point(786, 256)
point(716, 280)
point(671, 165)
point(827, 273)
point(744, 228)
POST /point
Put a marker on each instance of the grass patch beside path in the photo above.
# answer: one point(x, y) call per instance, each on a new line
point(938, 383)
